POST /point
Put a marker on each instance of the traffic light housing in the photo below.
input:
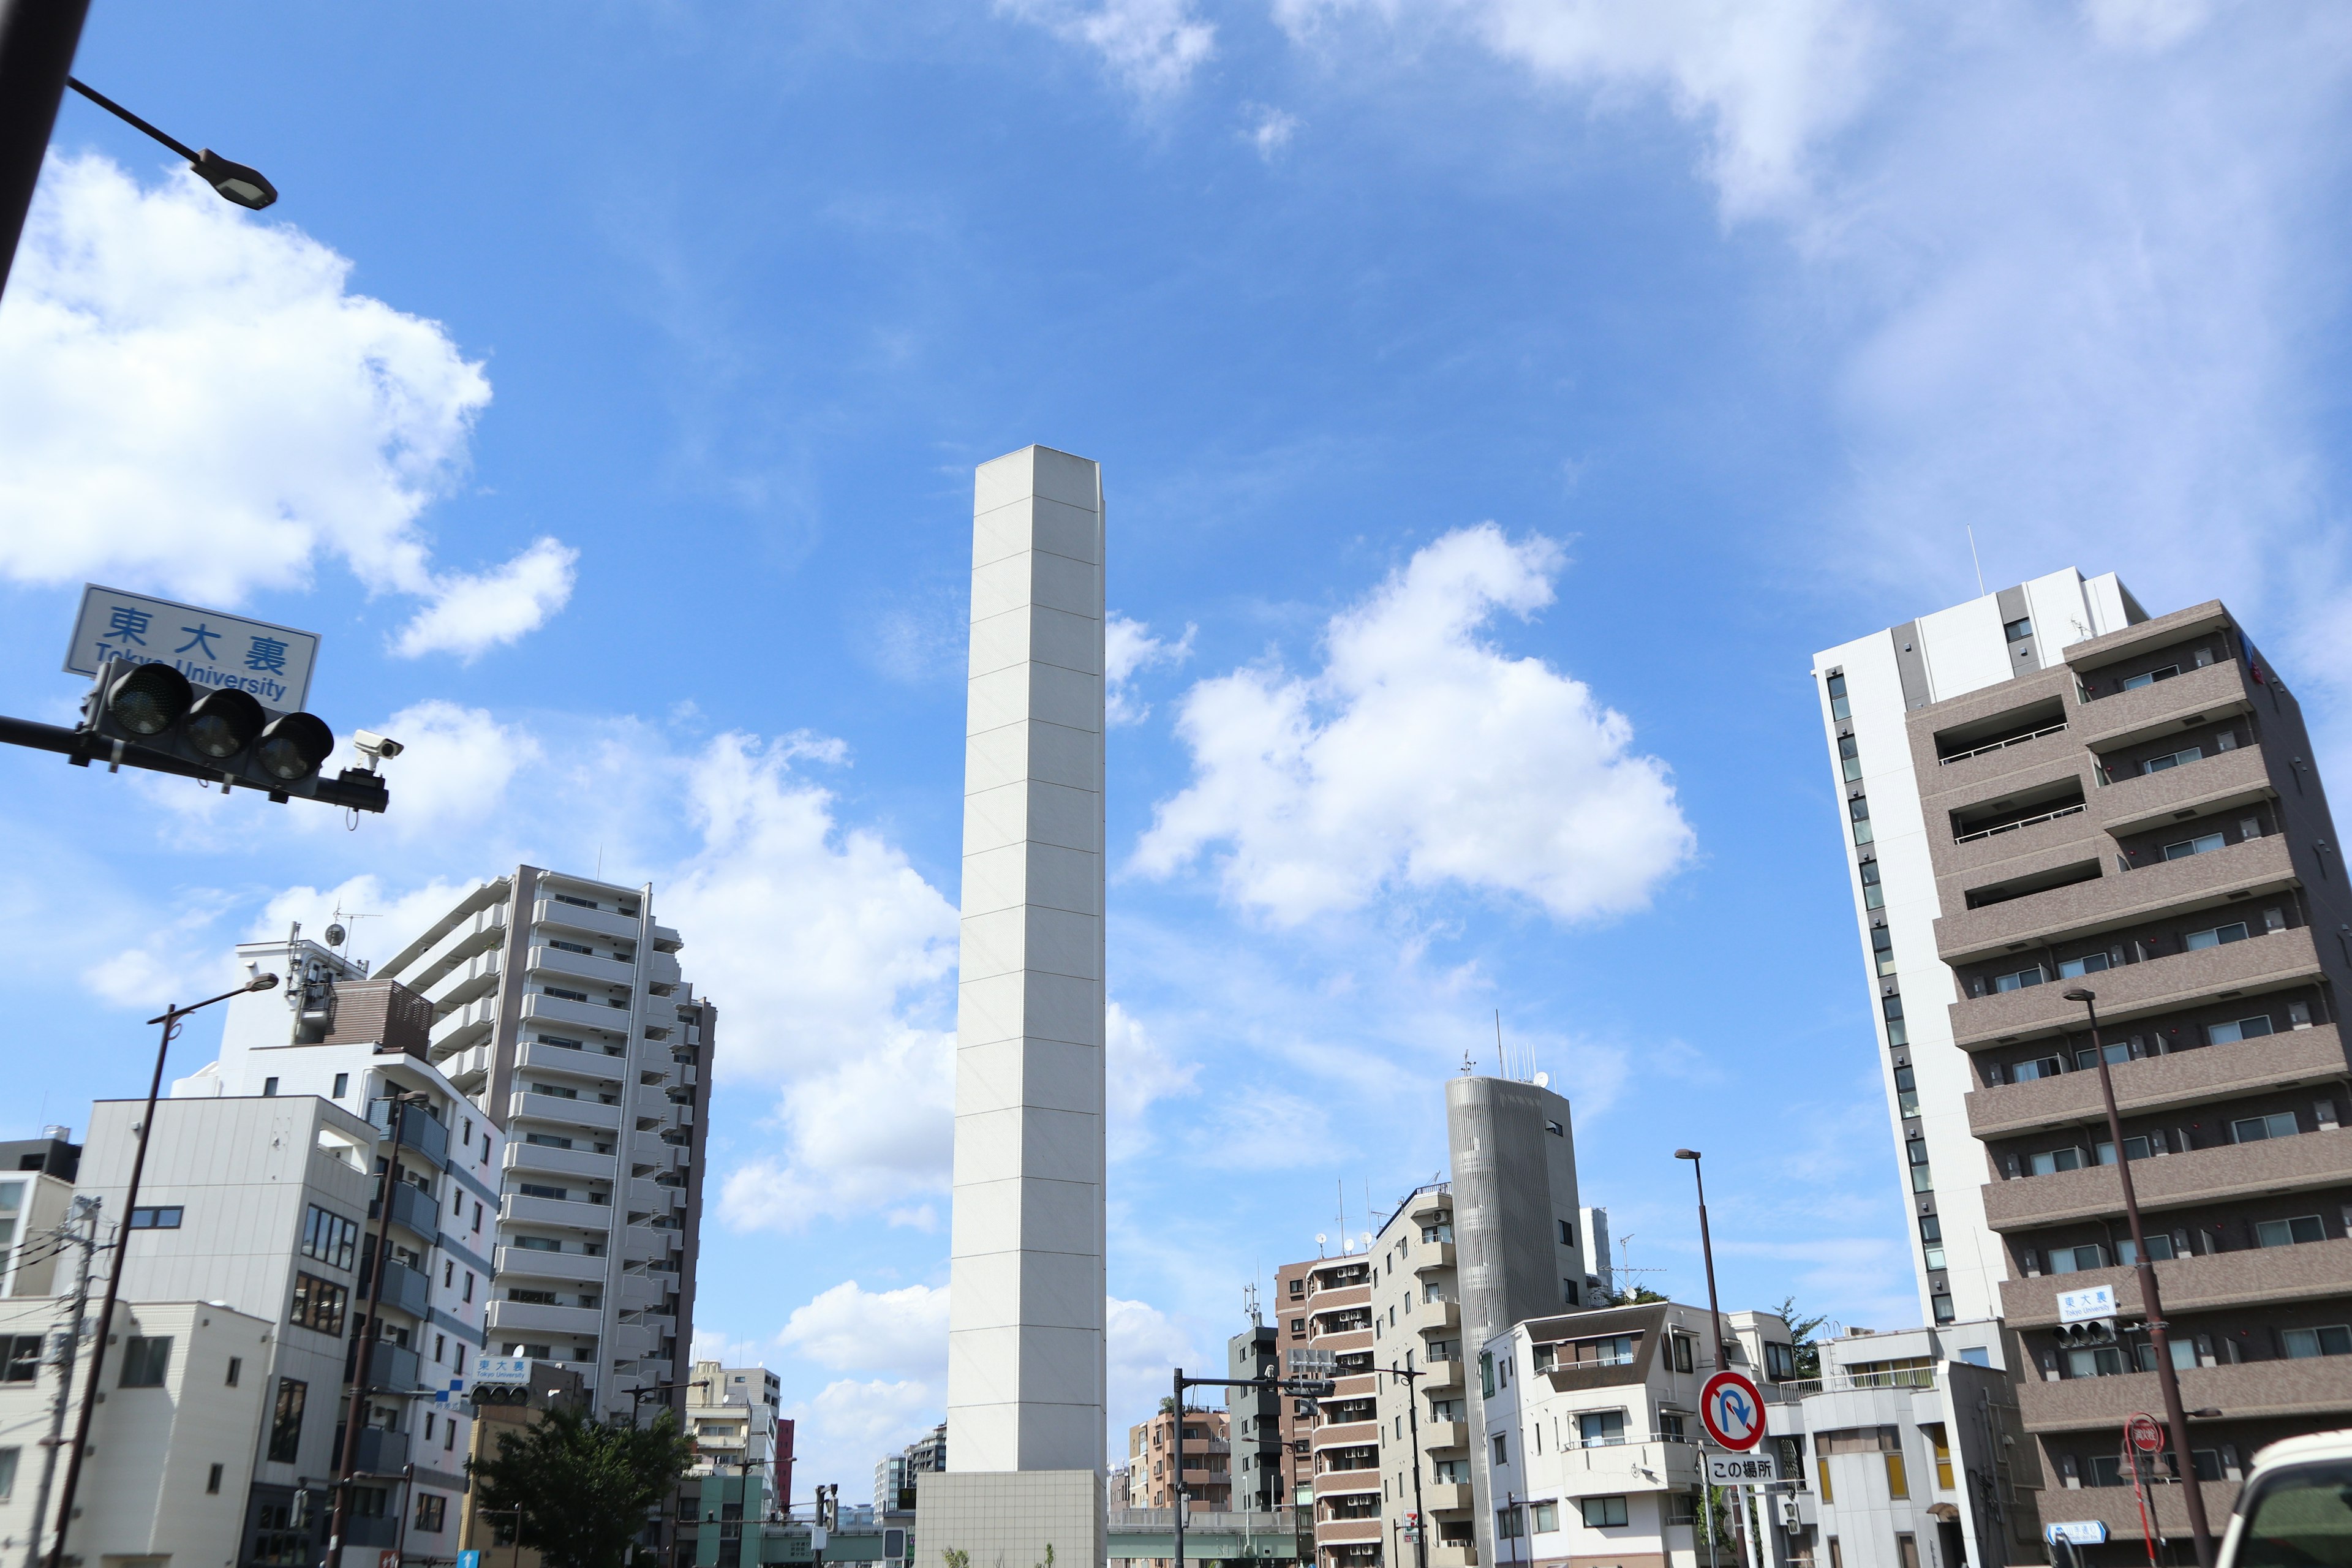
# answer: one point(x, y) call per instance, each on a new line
point(2090, 1332)
point(149, 716)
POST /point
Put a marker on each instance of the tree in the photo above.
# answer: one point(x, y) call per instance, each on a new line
point(1802, 1329)
point(583, 1488)
point(1639, 1296)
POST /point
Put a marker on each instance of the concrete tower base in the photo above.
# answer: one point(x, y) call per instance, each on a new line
point(1008, 1519)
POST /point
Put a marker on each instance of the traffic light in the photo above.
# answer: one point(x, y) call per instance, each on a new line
point(148, 715)
point(2088, 1333)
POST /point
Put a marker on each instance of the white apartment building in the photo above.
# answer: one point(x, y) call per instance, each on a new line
point(1897, 1455)
point(33, 1204)
point(558, 1006)
point(1869, 686)
point(732, 1414)
point(1417, 1327)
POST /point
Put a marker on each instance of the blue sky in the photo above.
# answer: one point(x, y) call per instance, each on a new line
point(1498, 402)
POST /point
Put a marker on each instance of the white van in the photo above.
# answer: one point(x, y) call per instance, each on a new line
point(2296, 1511)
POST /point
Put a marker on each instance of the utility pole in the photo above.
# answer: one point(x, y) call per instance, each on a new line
point(86, 1213)
point(1413, 1429)
point(37, 39)
point(370, 1327)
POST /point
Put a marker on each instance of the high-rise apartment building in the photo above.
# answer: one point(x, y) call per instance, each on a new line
point(1152, 1460)
point(2046, 789)
point(731, 1415)
point(558, 1005)
point(1417, 1328)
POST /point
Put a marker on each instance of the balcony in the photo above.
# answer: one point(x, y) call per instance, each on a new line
point(1328, 1482)
point(2307, 1161)
point(570, 1113)
point(2318, 1392)
point(379, 1452)
point(539, 1159)
point(667, 940)
point(1436, 1434)
point(1442, 1375)
point(568, 1016)
point(1432, 1316)
point(1433, 1258)
point(651, 1099)
point(421, 1137)
point(1346, 1434)
point(470, 1069)
point(1350, 1532)
point(1982, 771)
point(2159, 985)
point(1453, 1553)
point(562, 1213)
point(2136, 802)
point(2260, 1276)
point(535, 1318)
point(2117, 899)
point(2118, 719)
point(2060, 828)
point(647, 1196)
point(405, 1289)
point(480, 932)
point(1445, 1497)
point(595, 1063)
point(476, 977)
point(2290, 1058)
point(413, 1211)
point(601, 922)
point(392, 1366)
point(463, 1026)
point(530, 1263)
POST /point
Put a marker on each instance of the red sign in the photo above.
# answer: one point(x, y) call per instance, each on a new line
point(1732, 1411)
point(2146, 1434)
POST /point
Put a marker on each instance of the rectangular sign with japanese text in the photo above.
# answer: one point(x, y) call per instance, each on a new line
point(2082, 1306)
point(501, 1369)
point(212, 649)
point(2080, 1532)
point(1742, 1469)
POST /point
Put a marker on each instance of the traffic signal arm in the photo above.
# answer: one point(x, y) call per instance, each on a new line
point(356, 788)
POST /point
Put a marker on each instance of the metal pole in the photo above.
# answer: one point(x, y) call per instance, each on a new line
point(363, 1361)
point(88, 1244)
point(2192, 1490)
point(1413, 1427)
point(171, 1022)
point(1176, 1478)
point(38, 38)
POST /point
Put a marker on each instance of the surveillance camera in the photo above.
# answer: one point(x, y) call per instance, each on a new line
point(376, 745)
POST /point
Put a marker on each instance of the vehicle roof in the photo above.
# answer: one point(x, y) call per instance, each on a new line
point(2335, 1445)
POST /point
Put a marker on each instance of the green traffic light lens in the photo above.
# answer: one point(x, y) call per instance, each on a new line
point(224, 723)
point(149, 700)
point(293, 746)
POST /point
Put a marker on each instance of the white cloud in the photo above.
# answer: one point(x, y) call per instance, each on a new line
point(471, 614)
point(454, 770)
point(1421, 756)
point(1151, 45)
point(376, 919)
point(1128, 650)
point(1137, 1072)
point(851, 1329)
point(196, 403)
point(2145, 23)
point(1143, 1346)
point(1267, 129)
point(1768, 78)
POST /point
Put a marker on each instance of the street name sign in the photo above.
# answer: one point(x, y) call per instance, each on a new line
point(1743, 1470)
point(2080, 1532)
point(214, 649)
point(2085, 1305)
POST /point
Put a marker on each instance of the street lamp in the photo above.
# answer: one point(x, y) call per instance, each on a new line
point(1715, 1313)
point(2193, 1492)
point(235, 182)
point(170, 1019)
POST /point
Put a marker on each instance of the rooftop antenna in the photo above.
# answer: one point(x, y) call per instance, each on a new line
point(1469, 1067)
point(1973, 561)
point(1500, 1055)
point(1249, 1304)
point(1342, 1185)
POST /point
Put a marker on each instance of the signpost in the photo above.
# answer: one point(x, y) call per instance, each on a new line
point(1732, 1411)
point(2147, 1432)
point(2080, 1532)
point(215, 650)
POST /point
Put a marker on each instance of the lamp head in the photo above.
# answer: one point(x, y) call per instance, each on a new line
point(262, 983)
point(2207, 1414)
point(2079, 994)
point(1685, 1154)
point(235, 182)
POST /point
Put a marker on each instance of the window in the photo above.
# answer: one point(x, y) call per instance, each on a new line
point(268, 1089)
point(1615, 1349)
point(318, 1304)
point(330, 1238)
point(547, 1140)
point(1822, 1463)
point(2160, 1248)
point(156, 1218)
point(1906, 1091)
point(1915, 1150)
point(23, 1354)
point(2303, 1343)
point(1874, 896)
point(432, 1512)
point(541, 1190)
point(1942, 1306)
point(2041, 1067)
point(2073, 1259)
point(2203, 844)
point(2218, 937)
point(8, 1474)
point(538, 1243)
point(1451, 1472)
point(1601, 1513)
point(2289, 1232)
point(558, 991)
point(1506, 1523)
point(2158, 764)
point(1882, 948)
point(1780, 1360)
point(2089, 964)
point(2020, 979)
point(1502, 1448)
point(145, 1360)
point(1898, 1485)
point(236, 1370)
point(1838, 707)
point(1601, 1428)
point(2256, 1129)
point(2133, 682)
point(1680, 1349)
point(1568, 1291)
point(342, 1083)
point(212, 1480)
point(1906, 1552)
point(573, 947)
point(1567, 1234)
point(2018, 630)
point(1859, 809)
point(2086, 1059)
point(578, 903)
point(2237, 1029)
point(530, 1298)
point(555, 1090)
point(1543, 1517)
point(1850, 754)
point(477, 1205)
point(2050, 1161)
point(1670, 1427)
point(1555, 1128)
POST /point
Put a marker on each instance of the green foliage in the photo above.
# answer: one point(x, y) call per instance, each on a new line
point(1802, 1329)
point(1639, 1296)
point(583, 1488)
point(955, 1557)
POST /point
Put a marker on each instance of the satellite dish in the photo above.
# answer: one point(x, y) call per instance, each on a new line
point(1320, 1238)
point(335, 935)
point(1543, 1080)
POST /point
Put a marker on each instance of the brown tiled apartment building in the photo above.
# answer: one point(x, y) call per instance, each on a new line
point(2047, 789)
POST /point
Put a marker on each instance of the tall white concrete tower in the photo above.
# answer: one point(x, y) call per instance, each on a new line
point(1025, 1368)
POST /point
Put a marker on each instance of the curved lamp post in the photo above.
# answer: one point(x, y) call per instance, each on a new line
point(235, 182)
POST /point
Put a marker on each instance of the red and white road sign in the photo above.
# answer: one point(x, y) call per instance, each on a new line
point(1732, 1411)
point(2145, 1433)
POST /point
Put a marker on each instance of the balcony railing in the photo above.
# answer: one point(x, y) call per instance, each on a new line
point(2022, 822)
point(2000, 745)
point(1847, 1382)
